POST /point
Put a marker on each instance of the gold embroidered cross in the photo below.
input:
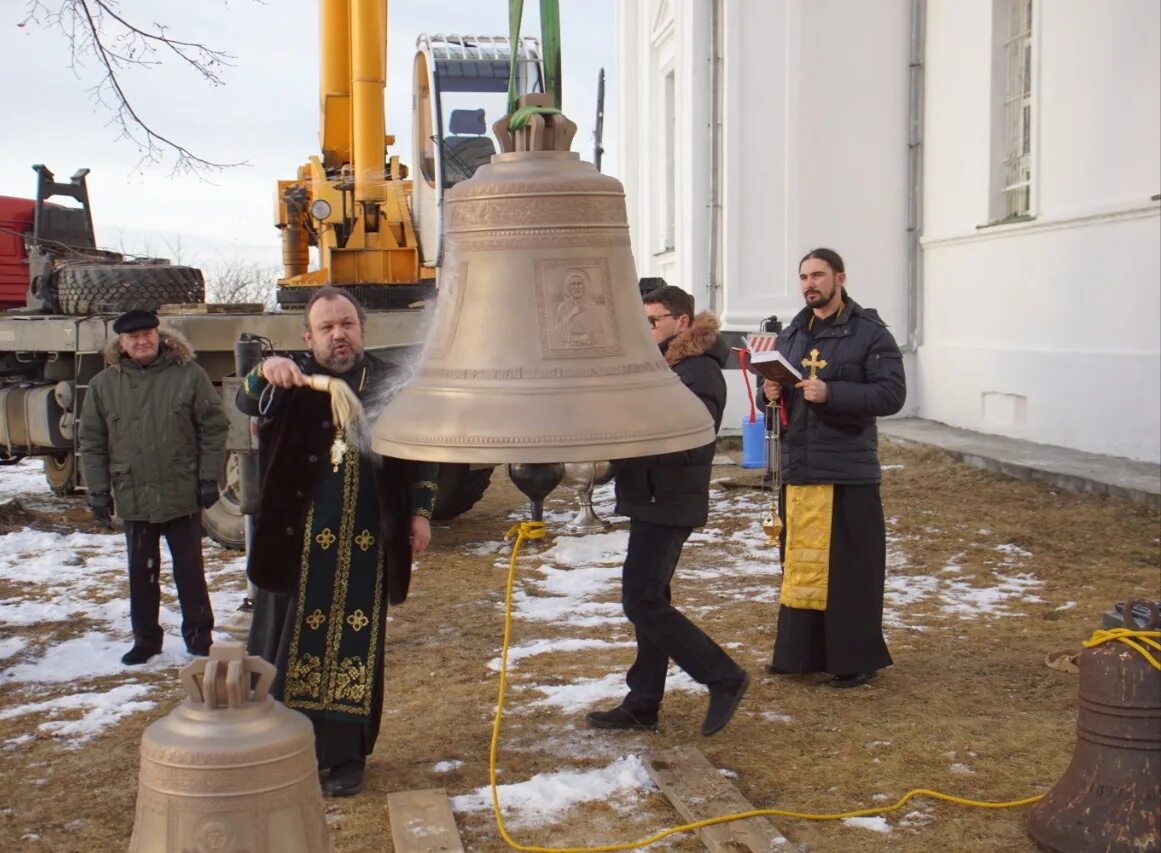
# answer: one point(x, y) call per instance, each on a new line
point(814, 363)
point(315, 619)
point(358, 620)
point(365, 540)
point(326, 539)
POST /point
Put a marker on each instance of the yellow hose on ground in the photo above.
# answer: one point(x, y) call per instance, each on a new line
point(536, 530)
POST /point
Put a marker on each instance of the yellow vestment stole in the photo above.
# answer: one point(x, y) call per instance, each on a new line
point(806, 567)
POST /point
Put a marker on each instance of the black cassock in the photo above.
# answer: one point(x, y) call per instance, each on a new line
point(847, 637)
point(330, 551)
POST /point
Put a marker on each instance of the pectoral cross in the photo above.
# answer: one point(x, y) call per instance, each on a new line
point(814, 363)
point(338, 450)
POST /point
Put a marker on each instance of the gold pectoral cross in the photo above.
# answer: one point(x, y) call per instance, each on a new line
point(814, 363)
point(338, 450)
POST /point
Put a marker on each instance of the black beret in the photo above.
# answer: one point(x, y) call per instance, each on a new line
point(135, 320)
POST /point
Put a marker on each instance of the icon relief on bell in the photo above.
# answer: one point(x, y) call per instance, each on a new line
point(575, 308)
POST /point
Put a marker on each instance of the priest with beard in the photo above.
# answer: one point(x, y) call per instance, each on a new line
point(334, 535)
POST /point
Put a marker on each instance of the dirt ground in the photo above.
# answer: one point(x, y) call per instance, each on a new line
point(970, 708)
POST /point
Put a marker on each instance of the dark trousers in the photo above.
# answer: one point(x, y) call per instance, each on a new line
point(184, 537)
point(662, 632)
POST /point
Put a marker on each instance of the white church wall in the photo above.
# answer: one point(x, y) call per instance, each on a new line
point(1049, 329)
point(835, 76)
point(814, 142)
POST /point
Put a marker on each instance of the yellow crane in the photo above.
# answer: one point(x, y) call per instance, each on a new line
point(353, 200)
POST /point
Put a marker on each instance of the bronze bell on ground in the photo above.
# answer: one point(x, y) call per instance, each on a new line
point(1109, 798)
point(230, 769)
point(539, 351)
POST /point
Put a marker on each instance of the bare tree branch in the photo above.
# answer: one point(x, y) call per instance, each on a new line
point(97, 29)
point(234, 281)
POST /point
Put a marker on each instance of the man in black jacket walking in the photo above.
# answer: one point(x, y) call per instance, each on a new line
point(830, 617)
point(665, 498)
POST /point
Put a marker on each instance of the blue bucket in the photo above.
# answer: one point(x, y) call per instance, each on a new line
point(754, 442)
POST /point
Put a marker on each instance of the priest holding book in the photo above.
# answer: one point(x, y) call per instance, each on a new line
point(830, 617)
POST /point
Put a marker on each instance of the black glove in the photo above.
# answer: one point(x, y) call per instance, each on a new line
point(101, 506)
point(207, 493)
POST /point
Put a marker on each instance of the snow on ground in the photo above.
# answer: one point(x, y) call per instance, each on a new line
point(547, 796)
point(63, 579)
point(75, 579)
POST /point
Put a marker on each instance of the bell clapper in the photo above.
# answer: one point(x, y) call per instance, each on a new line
point(536, 480)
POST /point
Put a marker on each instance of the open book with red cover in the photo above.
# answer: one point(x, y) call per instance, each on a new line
point(773, 365)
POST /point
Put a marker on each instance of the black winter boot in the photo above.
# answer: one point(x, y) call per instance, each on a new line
point(622, 718)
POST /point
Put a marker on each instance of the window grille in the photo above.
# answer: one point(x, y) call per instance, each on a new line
point(1017, 189)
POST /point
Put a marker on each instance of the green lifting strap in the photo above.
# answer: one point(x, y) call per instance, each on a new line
point(550, 44)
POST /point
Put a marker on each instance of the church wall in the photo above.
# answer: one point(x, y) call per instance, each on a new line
point(1047, 329)
point(814, 142)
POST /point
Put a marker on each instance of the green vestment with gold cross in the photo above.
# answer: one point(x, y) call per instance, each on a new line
point(335, 646)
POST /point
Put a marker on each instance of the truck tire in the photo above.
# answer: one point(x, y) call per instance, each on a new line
point(224, 522)
point(460, 489)
point(61, 473)
point(119, 287)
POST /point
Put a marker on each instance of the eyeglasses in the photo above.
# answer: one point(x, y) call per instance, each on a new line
point(653, 318)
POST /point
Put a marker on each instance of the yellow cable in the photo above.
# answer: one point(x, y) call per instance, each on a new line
point(1128, 636)
point(536, 530)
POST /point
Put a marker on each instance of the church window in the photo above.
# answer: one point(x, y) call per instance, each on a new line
point(1014, 78)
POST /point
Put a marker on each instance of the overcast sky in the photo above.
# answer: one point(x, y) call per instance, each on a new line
point(266, 113)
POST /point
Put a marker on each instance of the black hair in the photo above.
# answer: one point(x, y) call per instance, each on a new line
point(828, 256)
point(649, 284)
point(675, 300)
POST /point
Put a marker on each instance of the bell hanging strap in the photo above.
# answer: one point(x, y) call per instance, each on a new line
point(550, 45)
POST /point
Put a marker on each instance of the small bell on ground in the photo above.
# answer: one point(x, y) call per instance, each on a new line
point(229, 769)
point(539, 350)
point(1109, 798)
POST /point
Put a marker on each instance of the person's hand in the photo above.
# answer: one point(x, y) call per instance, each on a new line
point(281, 371)
point(813, 389)
point(420, 534)
point(207, 493)
point(772, 390)
point(101, 506)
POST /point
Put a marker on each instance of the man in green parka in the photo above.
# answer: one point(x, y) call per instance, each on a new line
point(153, 432)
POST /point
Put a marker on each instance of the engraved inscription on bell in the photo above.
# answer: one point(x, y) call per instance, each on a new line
point(575, 308)
point(451, 292)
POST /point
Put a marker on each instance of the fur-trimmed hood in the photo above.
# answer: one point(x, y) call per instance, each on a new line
point(700, 338)
point(172, 341)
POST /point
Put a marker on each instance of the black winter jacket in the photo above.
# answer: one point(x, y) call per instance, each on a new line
point(673, 488)
point(837, 441)
point(294, 434)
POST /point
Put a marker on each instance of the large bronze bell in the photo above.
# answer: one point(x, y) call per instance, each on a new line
point(230, 769)
point(1109, 798)
point(539, 349)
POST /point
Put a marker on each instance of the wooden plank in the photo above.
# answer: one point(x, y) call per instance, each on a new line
point(422, 822)
point(698, 792)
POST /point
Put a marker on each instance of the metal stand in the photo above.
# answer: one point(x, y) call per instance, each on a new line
point(582, 477)
point(247, 353)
